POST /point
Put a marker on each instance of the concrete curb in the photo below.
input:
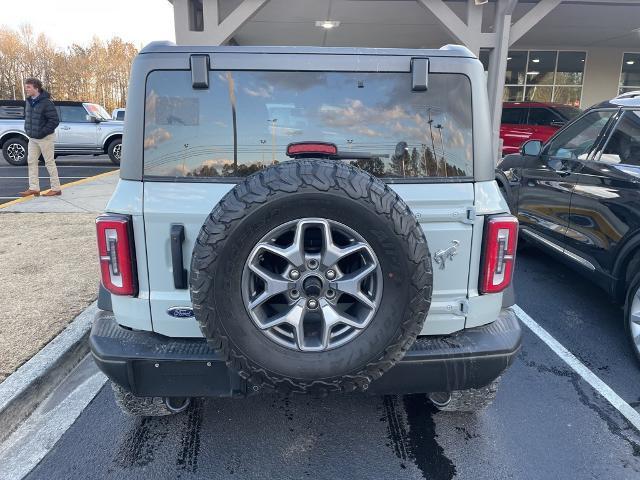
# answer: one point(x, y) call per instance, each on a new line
point(28, 386)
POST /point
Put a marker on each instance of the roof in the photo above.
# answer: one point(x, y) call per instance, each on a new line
point(628, 99)
point(445, 51)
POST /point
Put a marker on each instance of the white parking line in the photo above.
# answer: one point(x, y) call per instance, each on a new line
point(632, 416)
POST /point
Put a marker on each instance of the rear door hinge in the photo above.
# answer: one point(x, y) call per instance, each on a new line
point(470, 215)
point(463, 305)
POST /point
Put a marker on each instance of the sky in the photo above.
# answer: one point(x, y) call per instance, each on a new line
point(77, 21)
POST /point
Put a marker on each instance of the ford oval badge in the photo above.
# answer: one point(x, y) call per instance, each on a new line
point(180, 312)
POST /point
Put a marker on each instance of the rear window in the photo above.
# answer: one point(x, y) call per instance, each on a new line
point(542, 116)
point(568, 112)
point(244, 121)
point(512, 116)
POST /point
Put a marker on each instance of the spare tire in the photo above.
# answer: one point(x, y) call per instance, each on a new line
point(311, 276)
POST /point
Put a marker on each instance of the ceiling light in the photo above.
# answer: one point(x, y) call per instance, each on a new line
point(328, 24)
point(535, 60)
point(508, 58)
point(630, 62)
point(533, 73)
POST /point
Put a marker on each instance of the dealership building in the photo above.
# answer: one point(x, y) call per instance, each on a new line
point(576, 52)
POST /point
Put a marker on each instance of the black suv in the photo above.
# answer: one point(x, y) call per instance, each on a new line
point(578, 197)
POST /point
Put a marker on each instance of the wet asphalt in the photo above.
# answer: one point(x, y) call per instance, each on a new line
point(70, 169)
point(546, 421)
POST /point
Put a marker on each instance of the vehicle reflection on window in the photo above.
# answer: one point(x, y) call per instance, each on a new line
point(623, 146)
point(577, 140)
point(245, 120)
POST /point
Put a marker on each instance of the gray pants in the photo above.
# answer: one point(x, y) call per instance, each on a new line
point(45, 147)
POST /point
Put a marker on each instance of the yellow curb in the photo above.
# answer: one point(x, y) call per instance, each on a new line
point(62, 187)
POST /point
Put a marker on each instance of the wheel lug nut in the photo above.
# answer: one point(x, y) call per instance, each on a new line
point(312, 264)
point(294, 294)
point(312, 303)
point(330, 274)
point(294, 274)
point(330, 294)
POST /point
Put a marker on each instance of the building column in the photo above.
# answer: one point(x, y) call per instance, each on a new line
point(506, 35)
point(215, 32)
point(498, 67)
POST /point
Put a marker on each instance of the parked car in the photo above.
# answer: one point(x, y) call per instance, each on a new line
point(522, 121)
point(118, 114)
point(233, 265)
point(85, 129)
point(578, 197)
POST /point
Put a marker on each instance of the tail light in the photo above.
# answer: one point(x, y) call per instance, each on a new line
point(500, 240)
point(117, 261)
point(309, 149)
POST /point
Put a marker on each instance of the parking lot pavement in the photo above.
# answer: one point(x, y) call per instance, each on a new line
point(70, 169)
point(546, 422)
point(580, 316)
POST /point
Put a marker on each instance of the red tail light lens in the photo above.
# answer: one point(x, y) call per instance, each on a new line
point(500, 240)
point(115, 248)
point(301, 149)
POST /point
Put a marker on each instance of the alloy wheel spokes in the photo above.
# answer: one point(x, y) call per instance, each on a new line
point(312, 284)
point(635, 319)
point(332, 253)
point(351, 284)
point(274, 284)
point(16, 152)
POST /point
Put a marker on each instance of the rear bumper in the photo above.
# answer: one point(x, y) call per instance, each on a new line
point(148, 364)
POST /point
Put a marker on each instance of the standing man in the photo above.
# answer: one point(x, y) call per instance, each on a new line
point(40, 122)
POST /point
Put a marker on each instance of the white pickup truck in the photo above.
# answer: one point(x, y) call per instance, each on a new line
point(85, 129)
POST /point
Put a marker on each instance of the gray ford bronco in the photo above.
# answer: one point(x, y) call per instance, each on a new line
point(305, 220)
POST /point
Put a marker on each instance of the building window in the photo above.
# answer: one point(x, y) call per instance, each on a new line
point(630, 75)
point(542, 76)
point(196, 16)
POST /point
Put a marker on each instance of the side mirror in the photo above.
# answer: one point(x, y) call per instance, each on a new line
point(557, 123)
point(531, 147)
point(91, 118)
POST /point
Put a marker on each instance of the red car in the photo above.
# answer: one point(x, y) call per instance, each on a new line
point(522, 121)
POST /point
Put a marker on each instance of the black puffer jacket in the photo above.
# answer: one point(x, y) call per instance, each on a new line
point(41, 117)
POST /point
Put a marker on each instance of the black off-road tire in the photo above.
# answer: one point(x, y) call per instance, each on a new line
point(141, 406)
point(111, 150)
point(15, 141)
point(467, 401)
point(286, 192)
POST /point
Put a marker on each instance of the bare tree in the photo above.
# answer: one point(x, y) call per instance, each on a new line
point(98, 72)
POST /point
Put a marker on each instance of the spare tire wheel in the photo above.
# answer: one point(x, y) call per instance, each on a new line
point(311, 276)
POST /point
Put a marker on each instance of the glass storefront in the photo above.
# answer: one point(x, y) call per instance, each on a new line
point(630, 74)
point(542, 76)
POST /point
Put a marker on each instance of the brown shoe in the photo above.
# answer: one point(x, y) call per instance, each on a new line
point(29, 192)
point(52, 193)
